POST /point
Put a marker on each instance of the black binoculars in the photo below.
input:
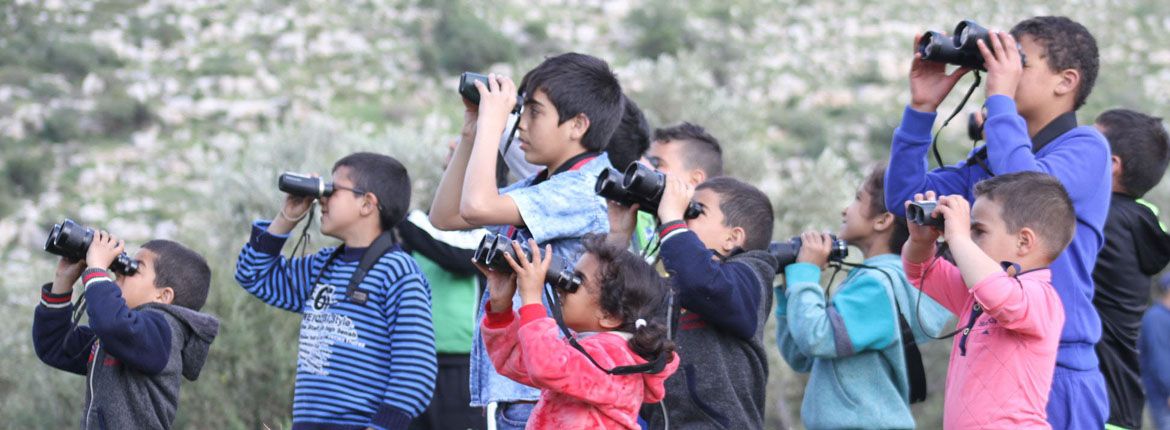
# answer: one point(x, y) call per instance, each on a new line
point(468, 90)
point(304, 185)
point(70, 240)
point(920, 213)
point(492, 248)
point(785, 252)
point(639, 184)
point(960, 47)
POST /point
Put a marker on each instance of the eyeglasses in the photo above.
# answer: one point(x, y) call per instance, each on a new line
point(356, 191)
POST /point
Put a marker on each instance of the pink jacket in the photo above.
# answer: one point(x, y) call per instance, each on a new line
point(574, 394)
point(1004, 379)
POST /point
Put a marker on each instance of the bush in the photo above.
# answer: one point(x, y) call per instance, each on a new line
point(461, 41)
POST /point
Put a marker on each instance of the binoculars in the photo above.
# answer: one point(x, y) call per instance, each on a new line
point(639, 184)
point(919, 213)
point(304, 185)
point(960, 48)
point(785, 252)
point(493, 247)
point(70, 240)
point(468, 90)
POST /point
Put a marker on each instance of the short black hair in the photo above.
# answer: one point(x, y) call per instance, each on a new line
point(183, 270)
point(1033, 200)
point(631, 139)
point(386, 178)
point(579, 84)
point(1067, 45)
point(744, 206)
point(875, 186)
point(631, 290)
point(1142, 144)
point(702, 150)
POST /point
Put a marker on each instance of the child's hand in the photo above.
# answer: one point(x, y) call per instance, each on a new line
point(957, 213)
point(1004, 66)
point(675, 198)
point(104, 249)
point(68, 271)
point(295, 207)
point(929, 81)
point(496, 100)
point(622, 222)
point(501, 288)
point(921, 234)
point(815, 248)
point(530, 273)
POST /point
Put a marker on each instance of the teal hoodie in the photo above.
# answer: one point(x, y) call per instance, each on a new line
point(852, 344)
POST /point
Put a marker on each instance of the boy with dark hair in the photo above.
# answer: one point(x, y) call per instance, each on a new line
point(572, 105)
point(367, 354)
point(145, 331)
point(631, 139)
point(1136, 248)
point(851, 342)
point(722, 274)
point(1000, 286)
point(1031, 126)
point(688, 151)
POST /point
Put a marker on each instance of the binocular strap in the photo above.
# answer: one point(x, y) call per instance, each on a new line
point(554, 307)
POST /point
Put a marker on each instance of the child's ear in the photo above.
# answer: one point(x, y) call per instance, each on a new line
point(736, 237)
point(369, 204)
point(1070, 79)
point(608, 322)
point(165, 295)
point(1026, 242)
point(884, 222)
point(697, 177)
point(578, 126)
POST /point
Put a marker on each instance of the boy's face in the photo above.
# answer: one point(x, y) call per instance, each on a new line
point(1036, 89)
point(582, 309)
point(709, 225)
point(990, 233)
point(138, 289)
point(669, 157)
point(856, 223)
point(343, 209)
point(542, 138)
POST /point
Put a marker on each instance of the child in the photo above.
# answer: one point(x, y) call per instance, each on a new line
point(621, 304)
point(852, 344)
point(1031, 126)
point(145, 331)
point(1002, 362)
point(572, 105)
point(1154, 344)
point(687, 151)
point(1136, 248)
point(367, 357)
point(722, 276)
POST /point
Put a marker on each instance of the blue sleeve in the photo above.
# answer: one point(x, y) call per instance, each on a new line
point(54, 343)
point(413, 366)
point(907, 173)
point(799, 361)
point(727, 295)
point(1155, 342)
point(272, 278)
point(140, 339)
point(859, 317)
point(562, 207)
point(1078, 164)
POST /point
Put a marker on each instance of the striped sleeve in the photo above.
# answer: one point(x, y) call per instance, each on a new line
point(274, 279)
point(413, 366)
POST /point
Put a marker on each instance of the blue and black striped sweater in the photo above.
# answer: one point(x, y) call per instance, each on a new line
point(358, 365)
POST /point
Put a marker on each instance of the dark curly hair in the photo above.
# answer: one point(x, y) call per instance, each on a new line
point(1067, 45)
point(630, 290)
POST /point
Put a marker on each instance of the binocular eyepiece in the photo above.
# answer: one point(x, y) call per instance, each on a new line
point(304, 185)
point(785, 252)
point(639, 184)
point(960, 48)
point(70, 240)
point(920, 213)
point(492, 248)
point(468, 90)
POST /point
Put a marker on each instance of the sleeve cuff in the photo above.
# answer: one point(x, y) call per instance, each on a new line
point(801, 272)
point(54, 301)
point(533, 312)
point(1000, 104)
point(670, 229)
point(987, 293)
point(496, 320)
point(266, 242)
point(390, 418)
point(917, 124)
point(93, 276)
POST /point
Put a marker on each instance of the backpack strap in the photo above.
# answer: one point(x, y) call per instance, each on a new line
point(383, 244)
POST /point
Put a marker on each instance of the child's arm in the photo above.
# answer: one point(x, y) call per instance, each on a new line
point(935, 276)
point(501, 338)
point(444, 213)
point(798, 360)
point(727, 295)
point(860, 318)
point(482, 203)
point(412, 363)
point(54, 342)
point(275, 280)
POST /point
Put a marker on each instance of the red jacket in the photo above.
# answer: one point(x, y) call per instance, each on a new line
point(574, 394)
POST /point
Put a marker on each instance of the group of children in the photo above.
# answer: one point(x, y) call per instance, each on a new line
point(665, 326)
